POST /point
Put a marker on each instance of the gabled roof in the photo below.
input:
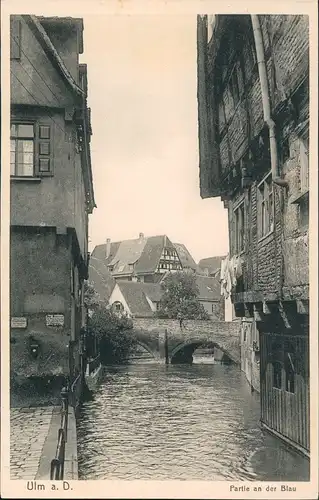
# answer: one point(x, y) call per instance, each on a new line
point(101, 278)
point(152, 253)
point(213, 264)
point(152, 290)
point(209, 288)
point(185, 257)
point(128, 252)
point(145, 252)
point(99, 252)
point(135, 294)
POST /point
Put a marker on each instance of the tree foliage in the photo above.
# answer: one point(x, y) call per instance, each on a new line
point(92, 299)
point(114, 333)
point(180, 297)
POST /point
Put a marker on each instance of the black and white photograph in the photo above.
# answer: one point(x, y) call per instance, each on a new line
point(158, 263)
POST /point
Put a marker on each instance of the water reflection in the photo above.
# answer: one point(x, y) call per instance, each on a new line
point(198, 422)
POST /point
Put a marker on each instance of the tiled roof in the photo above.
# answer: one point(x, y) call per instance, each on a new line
point(128, 252)
point(185, 257)
point(152, 253)
point(101, 278)
point(211, 263)
point(152, 290)
point(209, 288)
point(135, 295)
point(145, 252)
point(99, 252)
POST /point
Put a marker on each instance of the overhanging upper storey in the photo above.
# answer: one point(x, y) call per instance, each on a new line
point(233, 99)
point(214, 58)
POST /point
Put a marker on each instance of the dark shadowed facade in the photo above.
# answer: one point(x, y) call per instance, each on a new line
point(253, 97)
point(51, 195)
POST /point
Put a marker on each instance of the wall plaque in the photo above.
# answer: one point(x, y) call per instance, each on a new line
point(18, 322)
point(54, 319)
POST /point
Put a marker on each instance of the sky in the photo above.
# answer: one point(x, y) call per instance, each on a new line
point(144, 148)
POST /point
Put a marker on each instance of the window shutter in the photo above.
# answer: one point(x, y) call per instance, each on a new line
point(15, 38)
point(44, 156)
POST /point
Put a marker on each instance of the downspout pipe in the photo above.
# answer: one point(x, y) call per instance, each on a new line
point(266, 101)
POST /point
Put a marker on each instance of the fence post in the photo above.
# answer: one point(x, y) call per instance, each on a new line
point(65, 411)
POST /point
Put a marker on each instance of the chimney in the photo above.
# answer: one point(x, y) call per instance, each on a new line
point(141, 236)
point(108, 248)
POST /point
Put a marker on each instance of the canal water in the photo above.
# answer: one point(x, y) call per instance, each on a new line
point(179, 422)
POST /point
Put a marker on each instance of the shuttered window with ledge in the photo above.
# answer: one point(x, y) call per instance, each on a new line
point(30, 150)
point(265, 207)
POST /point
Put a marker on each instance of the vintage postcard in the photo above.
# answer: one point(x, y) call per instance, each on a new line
point(159, 189)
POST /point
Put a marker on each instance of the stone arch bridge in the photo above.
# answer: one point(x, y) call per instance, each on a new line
point(167, 341)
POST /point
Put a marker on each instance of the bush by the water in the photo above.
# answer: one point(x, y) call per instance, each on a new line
point(115, 335)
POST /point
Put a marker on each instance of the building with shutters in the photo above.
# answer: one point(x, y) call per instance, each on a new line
point(51, 196)
point(253, 108)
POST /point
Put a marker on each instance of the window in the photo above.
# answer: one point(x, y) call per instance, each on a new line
point(214, 308)
point(239, 228)
point(22, 150)
point(30, 150)
point(118, 307)
point(266, 206)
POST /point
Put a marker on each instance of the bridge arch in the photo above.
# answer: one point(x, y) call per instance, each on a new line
point(147, 348)
point(183, 352)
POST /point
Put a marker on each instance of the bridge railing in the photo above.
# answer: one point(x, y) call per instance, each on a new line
point(57, 463)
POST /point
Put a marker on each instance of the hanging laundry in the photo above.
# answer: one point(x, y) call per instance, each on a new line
point(225, 278)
